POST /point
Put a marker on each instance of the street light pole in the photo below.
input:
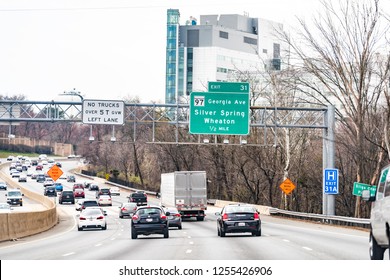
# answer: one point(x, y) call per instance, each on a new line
point(73, 93)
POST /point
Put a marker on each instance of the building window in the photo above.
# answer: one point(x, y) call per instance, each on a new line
point(265, 51)
point(250, 41)
point(223, 34)
point(276, 50)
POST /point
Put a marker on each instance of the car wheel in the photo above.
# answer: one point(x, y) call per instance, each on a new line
point(21, 204)
point(223, 234)
point(133, 234)
point(105, 227)
point(376, 251)
point(79, 228)
point(179, 227)
point(120, 216)
point(257, 233)
point(166, 233)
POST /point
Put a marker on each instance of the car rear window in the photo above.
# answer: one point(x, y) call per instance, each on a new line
point(137, 195)
point(239, 209)
point(150, 211)
point(90, 203)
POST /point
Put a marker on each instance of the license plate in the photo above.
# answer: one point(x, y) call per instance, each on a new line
point(241, 224)
point(149, 219)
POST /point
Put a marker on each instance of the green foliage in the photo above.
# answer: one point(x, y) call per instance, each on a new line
point(5, 154)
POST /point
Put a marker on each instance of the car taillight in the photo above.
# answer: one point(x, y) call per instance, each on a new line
point(123, 209)
point(177, 215)
point(135, 217)
point(256, 216)
point(100, 218)
point(163, 217)
point(225, 217)
point(82, 218)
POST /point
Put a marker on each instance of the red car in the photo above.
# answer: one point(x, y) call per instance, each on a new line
point(39, 167)
point(78, 192)
point(78, 186)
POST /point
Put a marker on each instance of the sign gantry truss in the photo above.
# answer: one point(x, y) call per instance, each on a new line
point(175, 115)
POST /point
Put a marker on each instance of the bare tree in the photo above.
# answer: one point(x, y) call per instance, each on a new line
point(338, 66)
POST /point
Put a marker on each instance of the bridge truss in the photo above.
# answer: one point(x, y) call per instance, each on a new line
point(176, 115)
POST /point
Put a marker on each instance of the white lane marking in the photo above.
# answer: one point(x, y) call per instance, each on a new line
point(191, 243)
point(188, 236)
point(112, 238)
point(99, 244)
point(188, 251)
point(307, 248)
point(286, 240)
point(68, 254)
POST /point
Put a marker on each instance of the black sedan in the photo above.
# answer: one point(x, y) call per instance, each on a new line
point(50, 191)
point(238, 218)
point(149, 220)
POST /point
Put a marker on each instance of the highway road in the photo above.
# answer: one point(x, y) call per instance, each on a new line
point(282, 239)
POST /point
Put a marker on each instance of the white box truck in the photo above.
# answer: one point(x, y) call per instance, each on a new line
point(187, 191)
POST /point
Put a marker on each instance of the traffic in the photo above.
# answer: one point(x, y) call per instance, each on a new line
point(101, 225)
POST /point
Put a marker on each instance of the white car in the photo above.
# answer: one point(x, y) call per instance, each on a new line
point(115, 191)
point(92, 217)
point(48, 182)
point(22, 177)
point(104, 200)
point(5, 208)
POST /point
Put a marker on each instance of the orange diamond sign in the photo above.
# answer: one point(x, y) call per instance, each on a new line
point(55, 172)
point(287, 186)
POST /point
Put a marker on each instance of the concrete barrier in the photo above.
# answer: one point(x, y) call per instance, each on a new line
point(21, 224)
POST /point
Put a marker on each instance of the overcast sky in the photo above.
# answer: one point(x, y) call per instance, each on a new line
point(105, 49)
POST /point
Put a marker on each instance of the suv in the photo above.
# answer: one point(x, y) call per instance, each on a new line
point(138, 197)
point(380, 216)
point(14, 197)
point(66, 196)
point(149, 220)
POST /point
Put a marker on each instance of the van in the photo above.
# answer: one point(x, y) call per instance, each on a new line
point(380, 216)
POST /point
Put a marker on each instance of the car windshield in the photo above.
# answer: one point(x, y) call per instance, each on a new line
point(239, 209)
point(14, 193)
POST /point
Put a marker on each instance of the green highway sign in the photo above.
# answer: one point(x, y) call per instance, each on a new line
point(228, 87)
point(359, 187)
point(219, 113)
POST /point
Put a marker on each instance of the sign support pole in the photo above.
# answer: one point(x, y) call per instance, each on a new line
point(328, 159)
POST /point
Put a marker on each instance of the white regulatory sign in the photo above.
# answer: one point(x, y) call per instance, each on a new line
point(103, 112)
